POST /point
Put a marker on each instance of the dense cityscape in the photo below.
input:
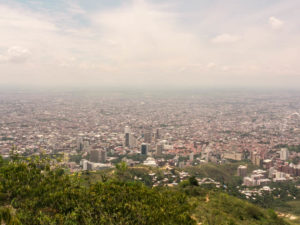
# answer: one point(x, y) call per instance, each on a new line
point(95, 131)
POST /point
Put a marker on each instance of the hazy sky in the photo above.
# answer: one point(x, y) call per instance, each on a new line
point(205, 43)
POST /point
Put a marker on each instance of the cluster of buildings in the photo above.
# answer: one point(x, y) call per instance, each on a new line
point(88, 165)
point(98, 129)
point(276, 169)
point(257, 178)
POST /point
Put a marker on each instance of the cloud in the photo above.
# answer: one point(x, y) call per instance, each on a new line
point(226, 68)
point(18, 54)
point(147, 43)
point(275, 23)
point(75, 8)
point(225, 38)
point(15, 54)
point(142, 33)
point(211, 65)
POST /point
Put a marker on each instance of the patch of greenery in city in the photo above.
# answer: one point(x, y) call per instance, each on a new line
point(278, 198)
point(223, 173)
point(75, 158)
point(284, 198)
point(213, 206)
point(292, 148)
point(165, 156)
point(137, 157)
point(221, 208)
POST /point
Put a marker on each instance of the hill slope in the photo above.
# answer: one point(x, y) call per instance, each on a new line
point(31, 192)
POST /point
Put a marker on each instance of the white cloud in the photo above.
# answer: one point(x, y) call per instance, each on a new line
point(15, 54)
point(226, 68)
point(18, 54)
point(141, 33)
point(211, 65)
point(275, 23)
point(226, 38)
point(141, 43)
point(3, 59)
point(75, 8)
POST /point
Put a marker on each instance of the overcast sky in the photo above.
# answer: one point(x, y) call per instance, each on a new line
point(165, 43)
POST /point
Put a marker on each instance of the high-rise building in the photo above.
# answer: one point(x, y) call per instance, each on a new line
point(103, 156)
point(132, 140)
point(148, 137)
point(256, 159)
point(191, 156)
point(284, 154)
point(80, 144)
point(157, 134)
point(95, 155)
point(127, 129)
point(127, 140)
point(267, 163)
point(159, 148)
point(86, 144)
point(83, 163)
point(242, 171)
point(144, 148)
point(127, 136)
point(90, 166)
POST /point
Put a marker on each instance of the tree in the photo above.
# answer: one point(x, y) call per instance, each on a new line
point(39, 194)
point(193, 181)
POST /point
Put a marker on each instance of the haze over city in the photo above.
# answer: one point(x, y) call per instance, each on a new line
point(150, 112)
point(150, 43)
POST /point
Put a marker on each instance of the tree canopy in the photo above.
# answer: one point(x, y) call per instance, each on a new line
point(32, 192)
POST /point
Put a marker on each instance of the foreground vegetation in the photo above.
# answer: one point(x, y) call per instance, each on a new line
point(33, 191)
point(214, 207)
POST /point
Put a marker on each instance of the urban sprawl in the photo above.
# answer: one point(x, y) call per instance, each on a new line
point(94, 131)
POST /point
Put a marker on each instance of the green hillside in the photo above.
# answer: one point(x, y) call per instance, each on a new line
point(35, 192)
point(215, 207)
point(225, 173)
